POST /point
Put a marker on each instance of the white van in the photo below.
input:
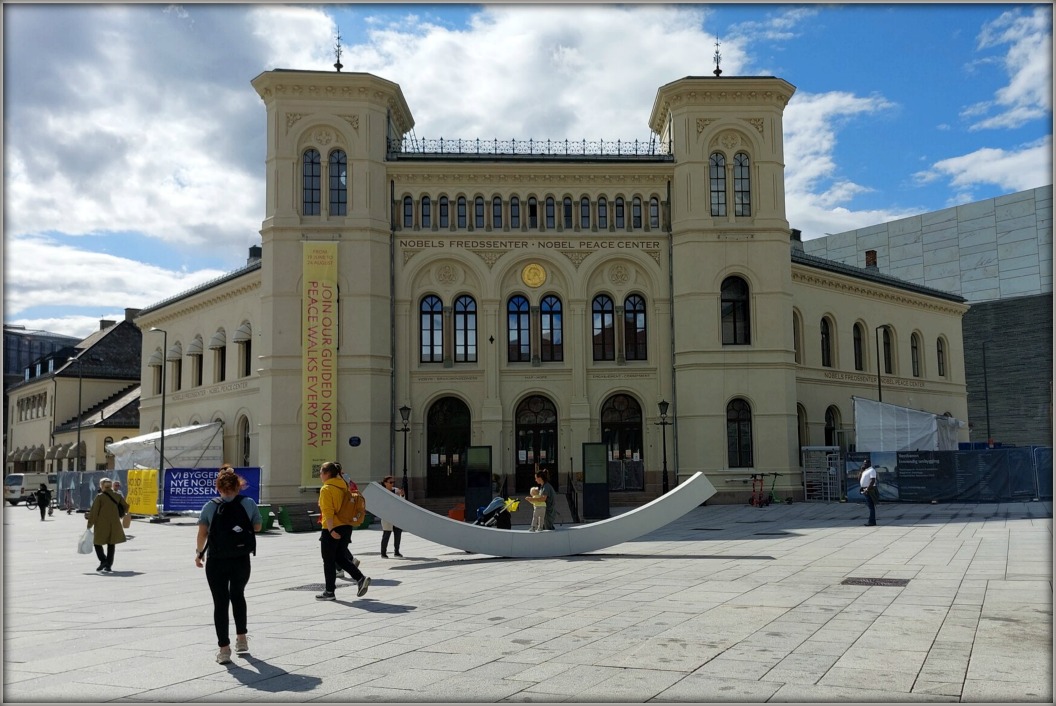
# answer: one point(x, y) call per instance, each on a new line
point(22, 486)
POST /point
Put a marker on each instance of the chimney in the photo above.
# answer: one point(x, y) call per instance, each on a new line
point(130, 314)
point(105, 324)
point(254, 254)
point(797, 240)
point(870, 260)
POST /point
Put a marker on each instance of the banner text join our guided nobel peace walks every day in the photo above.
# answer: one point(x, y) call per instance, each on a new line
point(319, 376)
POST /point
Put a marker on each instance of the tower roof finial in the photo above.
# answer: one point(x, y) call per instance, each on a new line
point(337, 52)
point(718, 58)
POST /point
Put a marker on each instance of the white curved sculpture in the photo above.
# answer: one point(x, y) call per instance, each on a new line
point(566, 541)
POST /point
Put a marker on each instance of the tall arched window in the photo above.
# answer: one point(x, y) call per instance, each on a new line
point(940, 358)
point(832, 426)
point(603, 213)
point(604, 332)
point(826, 343)
point(551, 345)
point(888, 355)
point(654, 213)
point(621, 432)
point(465, 329)
point(338, 183)
point(519, 348)
point(566, 213)
point(445, 212)
point(478, 212)
point(618, 213)
point(584, 213)
point(427, 212)
point(742, 183)
point(496, 213)
point(462, 214)
point(515, 212)
point(914, 354)
point(802, 430)
point(311, 174)
point(408, 212)
point(739, 434)
point(550, 213)
point(735, 312)
point(717, 179)
point(431, 316)
point(797, 339)
point(533, 212)
point(636, 213)
point(243, 442)
point(859, 352)
point(634, 331)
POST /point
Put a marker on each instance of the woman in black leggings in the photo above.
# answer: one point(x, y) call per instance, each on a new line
point(227, 528)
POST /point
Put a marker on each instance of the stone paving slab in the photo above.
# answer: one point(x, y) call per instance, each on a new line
point(714, 607)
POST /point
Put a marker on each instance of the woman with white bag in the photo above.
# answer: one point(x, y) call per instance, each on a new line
point(106, 519)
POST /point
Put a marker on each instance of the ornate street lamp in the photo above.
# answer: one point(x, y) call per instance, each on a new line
point(663, 405)
point(405, 415)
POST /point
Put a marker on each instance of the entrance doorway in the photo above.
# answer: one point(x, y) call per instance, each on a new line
point(536, 432)
point(447, 436)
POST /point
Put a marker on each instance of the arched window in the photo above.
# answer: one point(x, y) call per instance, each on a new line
point(739, 434)
point(832, 426)
point(859, 352)
point(551, 345)
point(478, 212)
point(496, 213)
point(519, 349)
point(914, 354)
point(550, 213)
point(634, 330)
point(445, 212)
point(408, 212)
point(940, 358)
point(618, 213)
point(338, 183)
point(636, 213)
point(654, 213)
point(888, 356)
point(797, 340)
point(533, 212)
point(604, 332)
point(603, 213)
point(243, 442)
point(431, 317)
point(735, 312)
point(427, 212)
point(802, 430)
point(311, 173)
point(742, 183)
point(621, 432)
point(717, 179)
point(566, 213)
point(584, 213)
point(465, 329)
point(462, 213)
point(826, 344)
point(515, 212)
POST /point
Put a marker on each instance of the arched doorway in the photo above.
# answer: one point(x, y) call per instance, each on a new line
point(447, 436)
point(621, 431)
point(536, 433)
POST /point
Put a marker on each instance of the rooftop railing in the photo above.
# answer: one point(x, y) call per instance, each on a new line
point(652, 147)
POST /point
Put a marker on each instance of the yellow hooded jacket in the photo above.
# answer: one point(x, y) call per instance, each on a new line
point(335, 502)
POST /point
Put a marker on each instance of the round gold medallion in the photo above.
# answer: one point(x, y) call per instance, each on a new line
point(533, 275)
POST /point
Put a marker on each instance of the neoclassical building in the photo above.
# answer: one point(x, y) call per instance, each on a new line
point(533, 297)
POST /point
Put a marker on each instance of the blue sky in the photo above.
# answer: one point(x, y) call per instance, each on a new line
point(134, 143)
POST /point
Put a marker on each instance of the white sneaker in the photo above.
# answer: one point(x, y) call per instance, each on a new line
point(223, 656)
point(241, 643)
point(341, 574)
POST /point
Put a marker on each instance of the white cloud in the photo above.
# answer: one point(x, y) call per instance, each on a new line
point(1028, 167)
point(1028, 62)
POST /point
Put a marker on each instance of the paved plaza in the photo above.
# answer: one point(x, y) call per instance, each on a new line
point(726, 604)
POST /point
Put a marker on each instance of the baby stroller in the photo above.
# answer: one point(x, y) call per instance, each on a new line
point(497, 513)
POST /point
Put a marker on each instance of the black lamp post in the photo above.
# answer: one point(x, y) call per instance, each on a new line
point(80, 407)
point(405, 415)
point(164, 364)
point(986, 399)
point(664, 424)
point(879, 362)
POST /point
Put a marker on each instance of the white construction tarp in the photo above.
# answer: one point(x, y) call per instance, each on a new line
point(198, 446)
point(887, 427)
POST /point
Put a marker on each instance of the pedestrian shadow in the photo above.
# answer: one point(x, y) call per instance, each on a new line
point(123, 574)
point(373, 606)
point(267, 677)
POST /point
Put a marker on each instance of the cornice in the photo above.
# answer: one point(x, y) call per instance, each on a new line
point(199, 303)
point(865, 289)
point(603, 178)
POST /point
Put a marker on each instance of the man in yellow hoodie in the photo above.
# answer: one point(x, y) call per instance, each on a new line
point(338, 517)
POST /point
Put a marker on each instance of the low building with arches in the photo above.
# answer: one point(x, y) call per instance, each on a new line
point(412, 300)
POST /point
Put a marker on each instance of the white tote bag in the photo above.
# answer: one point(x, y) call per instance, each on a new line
point(86, 545)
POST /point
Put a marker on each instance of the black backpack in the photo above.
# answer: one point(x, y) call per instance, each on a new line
point(231, 531)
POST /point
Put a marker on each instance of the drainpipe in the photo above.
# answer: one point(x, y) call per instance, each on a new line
point(671, 325)
point(392, 327)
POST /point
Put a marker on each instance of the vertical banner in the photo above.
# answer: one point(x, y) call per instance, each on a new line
point(318, 358)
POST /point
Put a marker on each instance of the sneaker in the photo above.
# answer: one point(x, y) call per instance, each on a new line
point(384, 556)
point(223, 656)
point(363, 584)
point(341, 574)
point(101, 567)
point(355, 562)
point(107, 569)
point(326, 596)
point(397, 554)
point(241, 643)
